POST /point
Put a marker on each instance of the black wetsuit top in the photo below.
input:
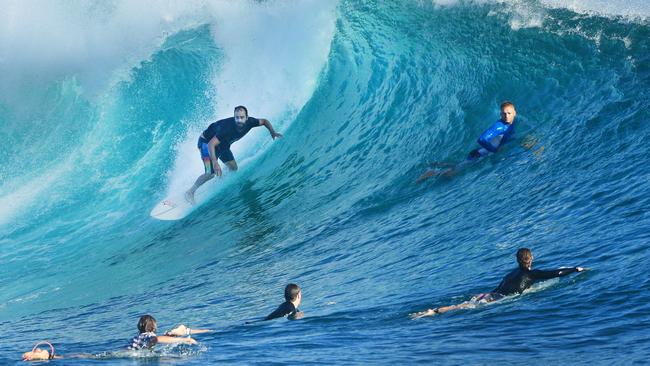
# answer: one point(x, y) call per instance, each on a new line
point(521, 279)
point(286, 308)
point(227, 131)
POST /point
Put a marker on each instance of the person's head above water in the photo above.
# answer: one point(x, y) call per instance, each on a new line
point(293, 293)
point(241, 115)
point(147, 323)
point(525, 258)
point(508, 112)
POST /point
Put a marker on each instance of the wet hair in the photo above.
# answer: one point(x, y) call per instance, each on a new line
point(291, 292)
point(241, 107)
point(147, 323)
point(524, 257)
point(504, 104)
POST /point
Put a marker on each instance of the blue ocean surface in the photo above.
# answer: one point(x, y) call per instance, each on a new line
point(101, 104)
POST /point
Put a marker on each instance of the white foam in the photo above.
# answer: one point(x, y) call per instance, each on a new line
point(53, 39)
point(631, 9)
point(528, 12)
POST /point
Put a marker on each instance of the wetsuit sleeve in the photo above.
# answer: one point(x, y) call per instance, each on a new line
point(545, 275)
point(487, 137)
point(208, 134)
point(220, 133)
point(282, 310)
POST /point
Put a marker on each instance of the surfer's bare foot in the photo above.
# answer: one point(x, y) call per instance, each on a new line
point(189, 197)
point(449, 172)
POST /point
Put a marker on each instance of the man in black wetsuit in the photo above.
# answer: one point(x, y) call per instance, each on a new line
point(289, 308)
point(513, 283)
point(215, 143)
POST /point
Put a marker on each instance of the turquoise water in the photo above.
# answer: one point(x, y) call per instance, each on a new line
point(367, 95)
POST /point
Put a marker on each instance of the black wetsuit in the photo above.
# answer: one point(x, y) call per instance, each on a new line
point(521, 279)
point(286, 308)
point(227, 130)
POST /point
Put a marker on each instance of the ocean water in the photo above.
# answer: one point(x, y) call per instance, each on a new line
point(101, 104)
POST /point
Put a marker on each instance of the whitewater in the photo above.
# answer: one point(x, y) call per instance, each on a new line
point(101, 104)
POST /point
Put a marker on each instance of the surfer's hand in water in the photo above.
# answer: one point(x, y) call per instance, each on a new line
point(275, 134)
point(581, 269)
point(189, 340)
point(296, 316)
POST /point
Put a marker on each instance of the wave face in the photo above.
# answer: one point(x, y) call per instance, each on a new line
point(99, 119)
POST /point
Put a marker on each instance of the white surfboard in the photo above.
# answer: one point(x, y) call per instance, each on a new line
point(171, 209)
point(176, 207)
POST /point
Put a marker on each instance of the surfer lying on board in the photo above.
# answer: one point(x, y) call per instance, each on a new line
point(146, 339)
point(490, 140)
point(513, 283)
point(289, 308)
point(215, 143)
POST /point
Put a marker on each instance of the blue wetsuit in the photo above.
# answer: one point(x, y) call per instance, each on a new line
point(492, 138)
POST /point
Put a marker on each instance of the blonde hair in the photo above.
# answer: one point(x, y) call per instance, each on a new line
point(507, 104)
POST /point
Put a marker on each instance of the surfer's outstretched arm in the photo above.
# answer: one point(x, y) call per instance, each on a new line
point(168, 339)
point(440, 310)
point(182, 330)
point(265, 122)
point(539, 274)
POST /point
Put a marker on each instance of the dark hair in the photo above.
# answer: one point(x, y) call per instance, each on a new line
point(291, 292)
point(524, 257)
point(503, 105)
point(147, 323)
point(241, 107)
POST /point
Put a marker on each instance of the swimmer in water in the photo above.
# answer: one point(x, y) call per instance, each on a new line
point(289, 308)
point(490, 141)
point(146, 339)
point(515, 282)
